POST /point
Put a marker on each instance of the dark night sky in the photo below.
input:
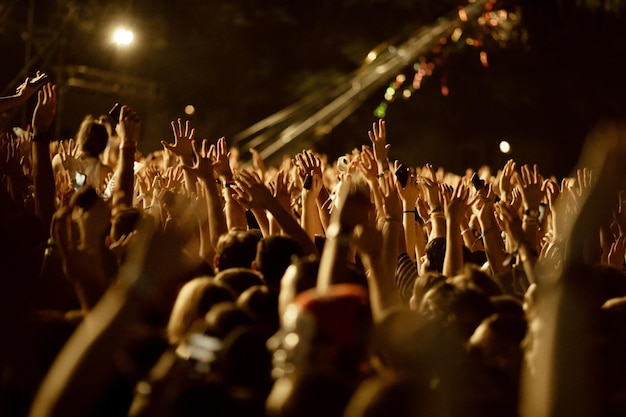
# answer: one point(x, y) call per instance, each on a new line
point(238, 62)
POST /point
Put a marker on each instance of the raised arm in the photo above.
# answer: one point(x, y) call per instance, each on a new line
point(379, 251)
point(22, 93)
point(251, 188)
point(43, 176)
point(455, 206)
point(128, 130)
point(235, 214)
point(309, 169)
point(183, 137)
point(203, 168)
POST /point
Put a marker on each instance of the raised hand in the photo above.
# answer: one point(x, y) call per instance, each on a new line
point(204, 164)
point(531, 186)
point(280, 190)
point(222, 161)
point(616, 253)
point(409, 193)
point(367, 164)
point(378, 136)
point(456, 203)
point(183, 137)
point(308, 163)
point(128, 127)
point(504, 182)
point(431, 192)
point(46, 108)
point(251, 190)
point(258, 163)
point(69, 152)
point(510, 221)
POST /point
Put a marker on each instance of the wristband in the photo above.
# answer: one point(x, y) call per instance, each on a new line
point(437, 209)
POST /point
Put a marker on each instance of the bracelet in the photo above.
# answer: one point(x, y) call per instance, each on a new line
point(437, 215)
point(392, 219)
point(435, 210)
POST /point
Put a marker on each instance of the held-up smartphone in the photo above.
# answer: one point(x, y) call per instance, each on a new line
point(542, 212)
point(402, 174)
point(308, 182)
point(478, 183)
point(79, 180)
point(38, 80)
point(115, 112)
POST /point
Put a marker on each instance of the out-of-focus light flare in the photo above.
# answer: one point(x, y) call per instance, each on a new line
point(123, 36)
point(456, 35)
point(462, 15)
point(400, 78)
point(406, 94)
point(381, 110)
point(190, 110)
point(483, 59)
point(505, 147)
point(445, 90)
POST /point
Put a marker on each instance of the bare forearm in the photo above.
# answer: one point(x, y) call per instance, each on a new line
point(310, 219)
point(43, 178)
point(453, 258)
point(125, 173)
point(291, 227)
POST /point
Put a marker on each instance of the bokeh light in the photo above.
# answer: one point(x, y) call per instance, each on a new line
point(505, 146)
point(123, 36)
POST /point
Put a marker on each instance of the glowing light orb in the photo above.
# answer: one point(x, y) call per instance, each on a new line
point(123, 37)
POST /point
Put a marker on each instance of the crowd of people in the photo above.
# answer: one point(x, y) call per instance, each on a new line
point(183, 283)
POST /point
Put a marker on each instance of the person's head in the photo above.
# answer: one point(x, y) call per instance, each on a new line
point(239, 279)
point(462, 308)
point(299, 276)
point(435, 252)
point(498, 338)
point(92, 136)
point(236, 249)
point(475, 279)
point(194, 300)
point(326, 330)
point(224, 317)
point(274, 254)
point(422, 285)
point(261, 303)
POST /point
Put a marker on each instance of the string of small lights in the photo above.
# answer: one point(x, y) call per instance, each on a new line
point(499, 26)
